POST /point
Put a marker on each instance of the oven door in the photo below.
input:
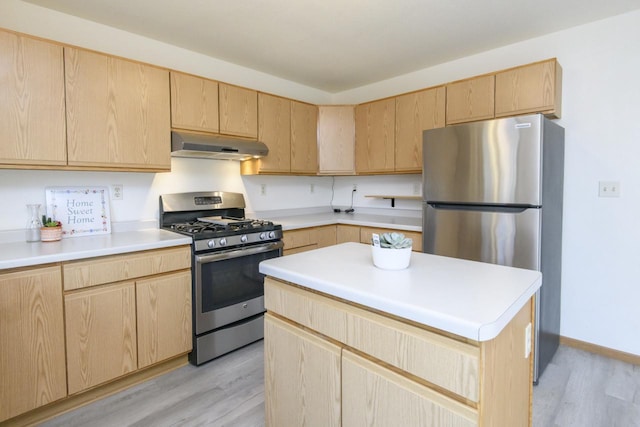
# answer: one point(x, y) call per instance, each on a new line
point(228, 286)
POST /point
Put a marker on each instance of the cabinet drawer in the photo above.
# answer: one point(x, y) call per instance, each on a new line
point(406, 403)
point(109, 269)
point(445, 362)
point(308, 309)
point(299, 238)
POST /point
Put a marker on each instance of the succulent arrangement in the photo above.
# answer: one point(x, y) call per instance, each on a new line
point(395, 241)
point(48, 222)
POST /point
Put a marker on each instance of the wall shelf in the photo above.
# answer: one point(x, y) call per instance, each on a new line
point(393, 198)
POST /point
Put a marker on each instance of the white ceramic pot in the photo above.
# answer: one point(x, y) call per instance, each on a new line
point(391, 259)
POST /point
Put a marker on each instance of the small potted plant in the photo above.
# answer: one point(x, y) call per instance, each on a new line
point(51, 230)
point(393, 251)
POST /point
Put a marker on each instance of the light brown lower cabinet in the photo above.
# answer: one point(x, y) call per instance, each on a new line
point(32, 364)
point(101, 335)
point(125, 318)
point(304, 380)
point(375, 395)
point(115, 328)
point(306, 239)
point(389, 371)
point(348, 233)
point(164, 317)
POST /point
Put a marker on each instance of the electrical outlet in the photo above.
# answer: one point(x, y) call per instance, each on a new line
point(527, 341)
point(609, 189)
point(263, 189)
point(312, 188)
point(117, 191)
point(416, 188)
point(355, 187)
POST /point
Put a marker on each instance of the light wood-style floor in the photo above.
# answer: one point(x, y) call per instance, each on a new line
point(578, 389)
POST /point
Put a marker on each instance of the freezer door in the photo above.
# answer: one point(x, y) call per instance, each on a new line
point(505, 236)
point(495, 162)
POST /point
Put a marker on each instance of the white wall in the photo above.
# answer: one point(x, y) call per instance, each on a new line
point(601, 93)
point(600, 112)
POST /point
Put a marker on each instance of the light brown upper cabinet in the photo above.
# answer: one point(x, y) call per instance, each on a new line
point(336, 139)
point(238, 111)
point(289, 129)
point(375, 136)
point(471, 99)
point(274, 129)
point(32, 122)
point(304, 136)
point(117, 112)
point(194, 103)
point(533, 88)
point(416, 112)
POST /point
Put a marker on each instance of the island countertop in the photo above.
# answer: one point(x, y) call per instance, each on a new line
point(471, 299)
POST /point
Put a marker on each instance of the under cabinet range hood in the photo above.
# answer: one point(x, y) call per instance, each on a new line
point(203, 146)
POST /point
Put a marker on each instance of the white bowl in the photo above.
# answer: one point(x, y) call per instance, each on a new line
point(391, 259)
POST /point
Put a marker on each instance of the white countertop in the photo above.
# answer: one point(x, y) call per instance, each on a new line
point(362, 219)
point(471, 299)
point(22, 254)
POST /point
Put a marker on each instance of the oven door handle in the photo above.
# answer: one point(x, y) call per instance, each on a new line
point(237, 253)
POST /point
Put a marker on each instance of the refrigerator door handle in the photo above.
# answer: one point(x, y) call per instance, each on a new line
point(481, 208)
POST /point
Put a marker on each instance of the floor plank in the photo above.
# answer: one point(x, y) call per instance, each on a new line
point(577, 389)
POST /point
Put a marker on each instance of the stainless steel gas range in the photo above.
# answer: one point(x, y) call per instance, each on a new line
point(228, 290)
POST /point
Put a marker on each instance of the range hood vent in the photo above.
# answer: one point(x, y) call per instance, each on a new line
point(196, 145)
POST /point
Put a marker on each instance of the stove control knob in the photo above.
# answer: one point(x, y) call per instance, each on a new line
point(244, 238)
point(211, 243)
point(223, 242)
point(272, 235)
point(263, 236)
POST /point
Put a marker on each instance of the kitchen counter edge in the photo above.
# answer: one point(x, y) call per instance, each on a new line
point(26, 254)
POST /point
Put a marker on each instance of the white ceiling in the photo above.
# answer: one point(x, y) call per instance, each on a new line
point(335, 45)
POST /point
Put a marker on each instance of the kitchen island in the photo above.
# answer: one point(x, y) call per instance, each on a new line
point(445, 342)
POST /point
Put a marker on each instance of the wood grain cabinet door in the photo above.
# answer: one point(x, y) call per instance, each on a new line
point(415, 113)
point(238, 109)
point(101, 334)
point(304, 138)
point(471, 99)
point(533, 88)
point(32, 365)
point(118, 112)
point(194, 103)
point(336, 139)
point(32, 122)
point(302, 377)
point(164, 317)
point(374, 395)
point(274, 129)
point(375, 136)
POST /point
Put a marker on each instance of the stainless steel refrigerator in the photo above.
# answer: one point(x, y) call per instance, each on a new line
point(493, 193)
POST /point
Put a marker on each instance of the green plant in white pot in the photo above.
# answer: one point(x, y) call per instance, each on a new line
point(391, 251)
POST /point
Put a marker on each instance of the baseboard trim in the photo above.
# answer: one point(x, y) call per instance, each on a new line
point(39, 415)
point(603, 351)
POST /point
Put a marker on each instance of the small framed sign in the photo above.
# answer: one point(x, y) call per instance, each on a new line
point(83, 211)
